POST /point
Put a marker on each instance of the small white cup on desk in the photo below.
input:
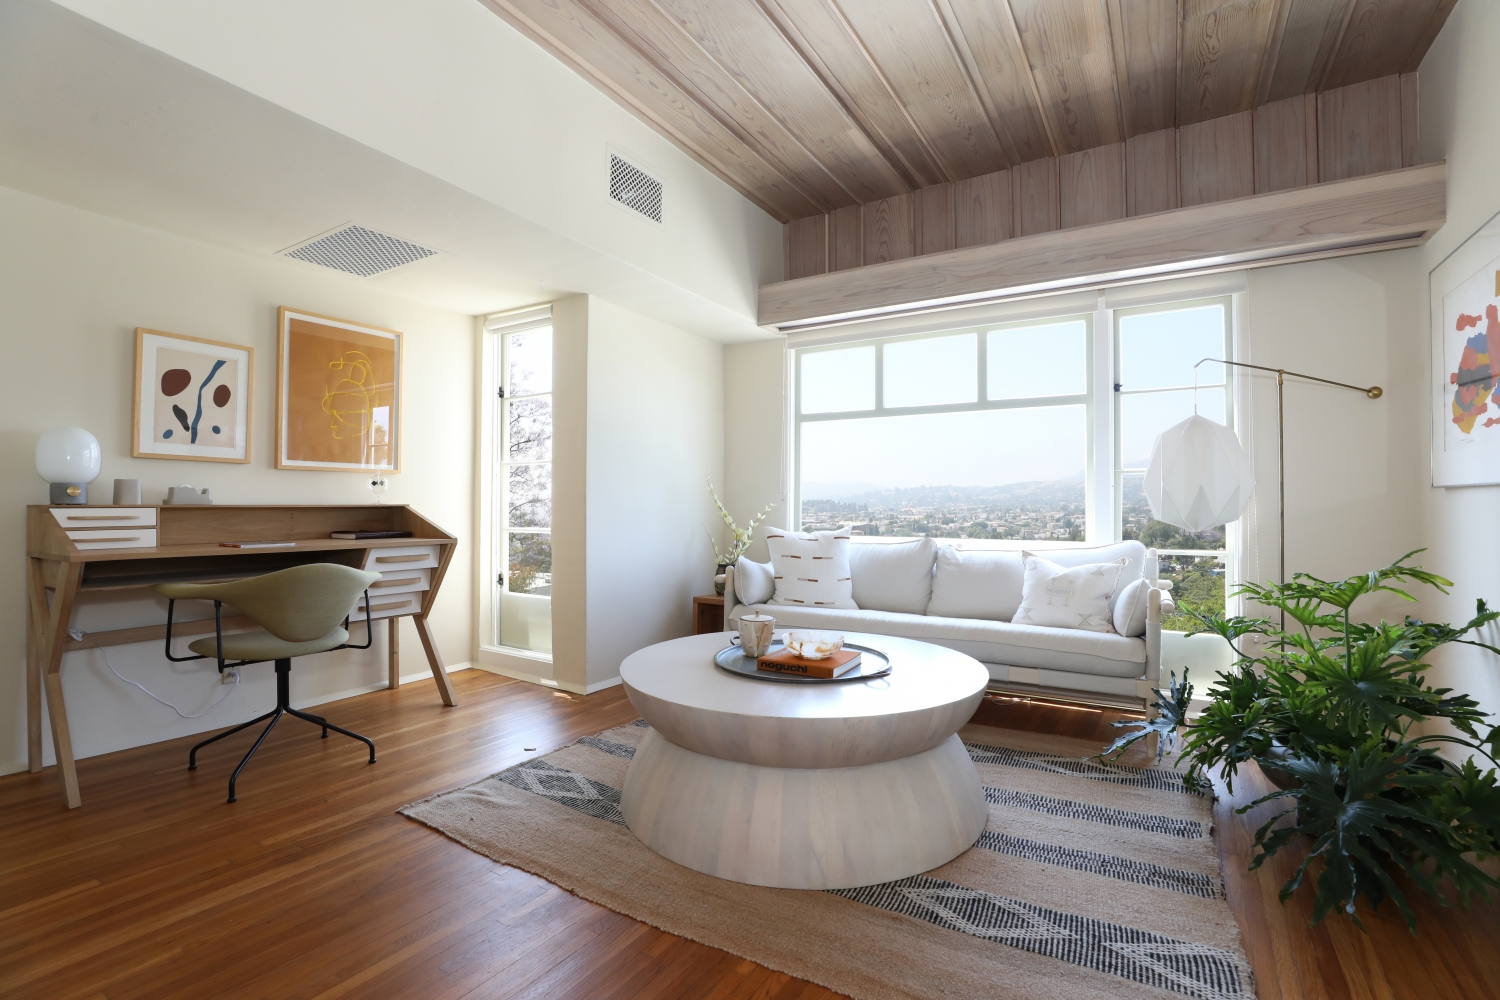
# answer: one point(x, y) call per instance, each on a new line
point(755, 635)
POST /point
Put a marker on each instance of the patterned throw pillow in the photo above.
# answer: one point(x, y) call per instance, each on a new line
point(1075, 597)
point(812, 570)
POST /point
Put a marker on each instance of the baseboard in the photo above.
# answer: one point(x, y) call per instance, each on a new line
point(517, 674)
point(48, 758)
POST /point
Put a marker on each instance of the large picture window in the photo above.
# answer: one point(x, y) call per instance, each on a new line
point(992, 436)
point(979, 434)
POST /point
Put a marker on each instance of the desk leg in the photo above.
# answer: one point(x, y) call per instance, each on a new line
point(435, 661)
point(36, 632)
point(51, 663)
point(393, 654)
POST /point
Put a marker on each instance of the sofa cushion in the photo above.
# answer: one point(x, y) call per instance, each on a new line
point(1129, 612)
point(754, 583)
point(1077, 597)
point(982, 583)
point(1103, 654)
point(1133, 552)
point(811, 570)
point(893, 576)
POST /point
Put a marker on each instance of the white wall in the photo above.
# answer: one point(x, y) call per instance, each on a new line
point(448, 87)
point(75, 285)
point(655, 431)
point(1460, 81)
point(755, 412)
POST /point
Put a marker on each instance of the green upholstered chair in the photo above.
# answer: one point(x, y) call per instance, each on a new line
point(301, 610)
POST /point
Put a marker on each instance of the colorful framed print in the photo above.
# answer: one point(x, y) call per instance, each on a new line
point(1465, 307)
point(192, 398)
point(338, 394)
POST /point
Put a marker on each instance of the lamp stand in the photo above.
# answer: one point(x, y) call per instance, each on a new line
point(1373, 391)
point(74, 493)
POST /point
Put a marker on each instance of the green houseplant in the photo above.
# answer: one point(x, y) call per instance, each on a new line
point(1331, 709)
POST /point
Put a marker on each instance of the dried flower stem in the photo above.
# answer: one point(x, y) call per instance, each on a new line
point(742, 536)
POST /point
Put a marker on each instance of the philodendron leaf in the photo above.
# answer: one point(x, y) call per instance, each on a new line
point(1362, 830)
point(1170, 709)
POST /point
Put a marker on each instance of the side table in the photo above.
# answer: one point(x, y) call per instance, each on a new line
point(708, 614)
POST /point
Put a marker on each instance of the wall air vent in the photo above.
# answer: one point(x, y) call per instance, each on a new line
point(634, 188)
point(356, 250)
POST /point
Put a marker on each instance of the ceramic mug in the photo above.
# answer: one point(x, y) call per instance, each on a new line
point(755, 635)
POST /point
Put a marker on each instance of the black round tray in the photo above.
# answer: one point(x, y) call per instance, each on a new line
point(872, 663)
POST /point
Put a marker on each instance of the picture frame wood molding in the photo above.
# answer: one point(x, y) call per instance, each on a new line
point(155, 423)
point(330, 396)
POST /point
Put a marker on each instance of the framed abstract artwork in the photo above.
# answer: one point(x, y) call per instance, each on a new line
point(338, 394)
point(1465, 305)
point(192, 398)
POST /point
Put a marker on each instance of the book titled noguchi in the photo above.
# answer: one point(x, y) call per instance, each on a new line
point(786, 662)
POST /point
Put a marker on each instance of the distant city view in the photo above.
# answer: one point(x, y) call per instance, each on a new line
point(1031, 511)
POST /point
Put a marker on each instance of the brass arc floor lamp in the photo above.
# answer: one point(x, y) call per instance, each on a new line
point(1373, 391)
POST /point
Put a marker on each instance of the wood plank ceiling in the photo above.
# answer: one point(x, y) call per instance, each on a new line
point(808, 106)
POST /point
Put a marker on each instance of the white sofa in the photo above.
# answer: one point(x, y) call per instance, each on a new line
point(964, 599)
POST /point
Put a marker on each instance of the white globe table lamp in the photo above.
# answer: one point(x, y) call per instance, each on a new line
point(68, 458)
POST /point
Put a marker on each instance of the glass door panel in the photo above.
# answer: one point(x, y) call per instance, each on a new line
point(523, 585)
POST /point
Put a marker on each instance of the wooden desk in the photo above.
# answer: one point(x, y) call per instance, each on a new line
point(77, 549)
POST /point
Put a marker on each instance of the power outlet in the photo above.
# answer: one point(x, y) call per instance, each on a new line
point(230, 676)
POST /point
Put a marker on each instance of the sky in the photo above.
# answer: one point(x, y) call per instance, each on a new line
point(996, 447)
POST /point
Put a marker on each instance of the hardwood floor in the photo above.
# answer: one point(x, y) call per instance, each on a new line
point(311, 886)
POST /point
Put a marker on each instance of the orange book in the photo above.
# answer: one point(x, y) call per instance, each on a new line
point(787, 662)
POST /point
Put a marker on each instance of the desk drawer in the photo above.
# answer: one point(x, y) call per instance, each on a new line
point(386, 605)
point(402, 557)
point(105, 517)
point(400, 581)
point(117, 538)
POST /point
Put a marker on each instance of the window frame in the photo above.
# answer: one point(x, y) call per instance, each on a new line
point(981, 402)
point(1229, 554)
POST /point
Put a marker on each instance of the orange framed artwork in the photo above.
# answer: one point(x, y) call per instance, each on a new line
point(338, 394)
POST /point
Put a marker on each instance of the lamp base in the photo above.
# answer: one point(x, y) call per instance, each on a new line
point(69, 493)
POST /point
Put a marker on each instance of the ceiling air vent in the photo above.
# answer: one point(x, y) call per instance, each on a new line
point(634, 188)
point(360, 251)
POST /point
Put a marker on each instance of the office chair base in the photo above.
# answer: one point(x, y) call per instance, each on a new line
point(283, 707)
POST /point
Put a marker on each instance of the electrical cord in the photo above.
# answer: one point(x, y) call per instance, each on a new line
point(79, 634)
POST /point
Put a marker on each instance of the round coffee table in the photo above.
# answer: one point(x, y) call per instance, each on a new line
point(796, 786)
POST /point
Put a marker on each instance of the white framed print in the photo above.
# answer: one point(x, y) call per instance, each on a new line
point(338, 394)
point(1465, 304)
point(192, 398)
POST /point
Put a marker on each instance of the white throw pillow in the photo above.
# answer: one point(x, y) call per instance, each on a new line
point(1129, 612)
point(1077, 597)
point(754, 583)
point(893, 576)
point(811, 570)
point(982, 583)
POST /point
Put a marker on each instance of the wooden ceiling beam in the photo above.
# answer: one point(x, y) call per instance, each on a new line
point(1361, 214)
point(571, 33)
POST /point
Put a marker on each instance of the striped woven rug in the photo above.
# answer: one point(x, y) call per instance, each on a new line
point(1089, 881)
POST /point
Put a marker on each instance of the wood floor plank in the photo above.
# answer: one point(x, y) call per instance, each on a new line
point(312, 886)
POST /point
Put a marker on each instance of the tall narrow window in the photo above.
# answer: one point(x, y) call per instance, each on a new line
point(523, 492)
point(1156, 349)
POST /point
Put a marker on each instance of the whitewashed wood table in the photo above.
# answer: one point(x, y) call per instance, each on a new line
point(797, 786)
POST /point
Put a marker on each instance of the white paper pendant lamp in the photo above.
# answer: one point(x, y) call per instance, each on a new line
point(1199, 476)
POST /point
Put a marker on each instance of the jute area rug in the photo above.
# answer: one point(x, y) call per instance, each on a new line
point(1089, 882)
